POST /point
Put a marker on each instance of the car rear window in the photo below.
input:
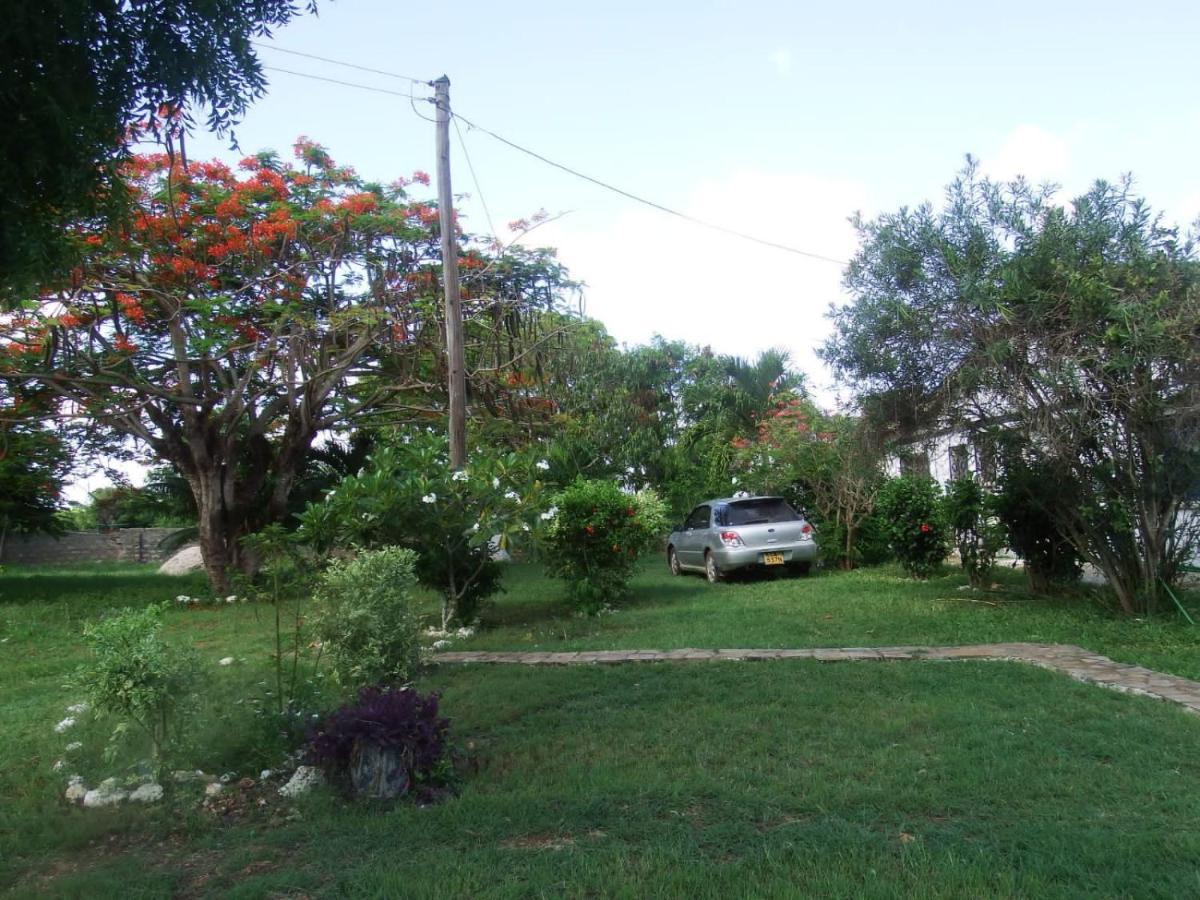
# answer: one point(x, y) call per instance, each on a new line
point(766, 509)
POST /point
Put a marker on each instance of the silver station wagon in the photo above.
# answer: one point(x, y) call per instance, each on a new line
point(721, 536)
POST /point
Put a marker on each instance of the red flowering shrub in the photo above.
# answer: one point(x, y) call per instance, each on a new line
point(910, 509)
point(596, 536)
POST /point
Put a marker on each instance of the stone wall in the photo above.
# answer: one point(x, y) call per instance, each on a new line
point(118, 545)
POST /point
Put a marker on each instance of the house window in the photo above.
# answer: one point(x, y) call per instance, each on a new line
point(985, 461)
point(915, 464)
point(959, 465)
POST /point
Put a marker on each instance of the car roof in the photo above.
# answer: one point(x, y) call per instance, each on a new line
point(738, 499)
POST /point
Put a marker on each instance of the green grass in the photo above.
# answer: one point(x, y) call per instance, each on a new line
point(864, 608)
point(789, 778)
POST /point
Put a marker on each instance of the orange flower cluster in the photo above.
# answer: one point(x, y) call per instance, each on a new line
point(131, 308)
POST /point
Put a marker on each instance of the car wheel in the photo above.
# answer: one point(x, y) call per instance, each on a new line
point(673, 561)
point(802, 568)
point(711, 570)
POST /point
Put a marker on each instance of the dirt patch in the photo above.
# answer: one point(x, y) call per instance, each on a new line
point(539, 842)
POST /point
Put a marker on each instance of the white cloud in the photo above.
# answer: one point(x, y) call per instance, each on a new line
point(1031, 151)
point(782, 61)
point(648, 272)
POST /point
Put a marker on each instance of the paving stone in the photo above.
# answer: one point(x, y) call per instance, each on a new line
point(1075, 662)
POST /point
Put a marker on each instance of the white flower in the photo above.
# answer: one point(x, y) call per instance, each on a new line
point(232, 598)
point(549, 514)
point(495, 482)
point(458, 475)
point(441, 645)
point(429, 498)
point(76, 709)
point(524, 526)
point(465, 632)
point(73, 746)
point(59, 766)
point(475, 527)
point(511, 495)
point(734, 479)
point(68, 722)
point(183, 598)
point(542, 464)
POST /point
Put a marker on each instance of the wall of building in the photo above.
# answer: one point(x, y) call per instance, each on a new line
point(118, 545)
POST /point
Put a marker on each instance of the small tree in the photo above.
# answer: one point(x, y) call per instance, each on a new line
point(911, 509)
point(831, 460)
point(137, 675)
point(1027, 493)
point(366, 620)
point(595, 538)
point(978, 535)
point(408, 496)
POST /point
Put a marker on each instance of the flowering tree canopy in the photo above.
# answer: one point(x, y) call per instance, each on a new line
point(76, 72)
point(240, 313)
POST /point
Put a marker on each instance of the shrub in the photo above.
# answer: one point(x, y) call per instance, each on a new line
point(596, 537)
point(365, 617)
point(401, 723)
point(977, 533)
point(136, 675)
point(408, 496)
point(1022, 505)
point(910, 509)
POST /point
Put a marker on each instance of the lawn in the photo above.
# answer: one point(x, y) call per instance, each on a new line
point(767, 779)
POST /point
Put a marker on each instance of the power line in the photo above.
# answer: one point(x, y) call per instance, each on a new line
point(650, 203)
point(338, 62)
point(361, 87)
point(515, 146)
point(475, 178)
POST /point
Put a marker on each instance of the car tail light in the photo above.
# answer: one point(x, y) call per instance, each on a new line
point(731, 539)
point(806, 529)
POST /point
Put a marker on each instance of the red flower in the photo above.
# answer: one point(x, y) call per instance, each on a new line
point(589, 529)
point(925, 529)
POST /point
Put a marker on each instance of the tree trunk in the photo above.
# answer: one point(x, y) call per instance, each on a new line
point(214, 539)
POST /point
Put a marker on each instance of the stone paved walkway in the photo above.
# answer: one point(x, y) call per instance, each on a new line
point(1078, 663)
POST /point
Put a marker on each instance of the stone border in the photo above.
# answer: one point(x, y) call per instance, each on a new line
point(1075, 662)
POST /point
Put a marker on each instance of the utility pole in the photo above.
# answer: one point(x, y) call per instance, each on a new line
point(455, 357)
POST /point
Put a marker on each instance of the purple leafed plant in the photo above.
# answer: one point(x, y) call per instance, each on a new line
point(399, 720)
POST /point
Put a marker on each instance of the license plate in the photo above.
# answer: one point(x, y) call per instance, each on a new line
point(772, 559)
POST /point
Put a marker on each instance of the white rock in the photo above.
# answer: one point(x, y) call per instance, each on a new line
point(107, 794)
point(213, 789)
point(76, 789)
point(265, 774)
point(183, 776)
point(68, 722)
point(147, 793)
point(186, 560)
point(225, 661)
point(302, 781)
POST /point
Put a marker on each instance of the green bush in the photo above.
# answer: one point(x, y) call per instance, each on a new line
point(911, 511)
point(136, 675)
point(978, 535)
point(408, 496)
point(1022, 504)
point(365, 617)
point(595, 538)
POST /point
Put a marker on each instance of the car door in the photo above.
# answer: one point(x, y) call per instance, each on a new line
point(691, 543)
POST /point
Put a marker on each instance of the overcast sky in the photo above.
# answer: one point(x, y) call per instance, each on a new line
point(776, 118)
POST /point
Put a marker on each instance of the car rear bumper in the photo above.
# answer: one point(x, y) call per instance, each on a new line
point(730, 558)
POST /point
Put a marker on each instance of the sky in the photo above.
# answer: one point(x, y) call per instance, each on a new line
point(778, 119)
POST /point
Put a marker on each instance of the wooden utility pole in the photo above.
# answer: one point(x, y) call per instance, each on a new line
point(455, 357)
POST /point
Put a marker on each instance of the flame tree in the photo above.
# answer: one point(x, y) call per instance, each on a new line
point(239, 314)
